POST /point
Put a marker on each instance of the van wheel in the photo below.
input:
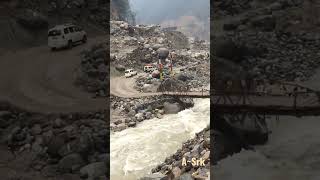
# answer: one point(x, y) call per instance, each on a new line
point(70, 44)
point(84, 39)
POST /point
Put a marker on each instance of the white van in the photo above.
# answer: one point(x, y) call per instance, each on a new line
point(65, 36)
point(149, 68)
point(130, 72)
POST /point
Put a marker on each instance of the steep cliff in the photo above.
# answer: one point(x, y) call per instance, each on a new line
point(120, 10)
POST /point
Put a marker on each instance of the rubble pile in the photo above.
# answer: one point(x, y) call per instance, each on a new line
point(286, 57)
point(197, 147)
point(94, 71)
point(55, 145)
point(232, 8)
point(270, 41)
point(93, 10)
point(136, 46)
point(145, 83)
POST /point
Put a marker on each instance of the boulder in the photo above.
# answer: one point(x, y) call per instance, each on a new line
point(70, 163)
point(186, 176)
point(132, 124)
point(156, 46)
point(93, 170)
point(183, 77)
point(170, 108)
point(139, 117)
point(36, 129)
point(55, 144)
point(173, 85)
point(264, 22)
point(163, 53)
point(5, 114)
point(120, 68)
point(176, 172)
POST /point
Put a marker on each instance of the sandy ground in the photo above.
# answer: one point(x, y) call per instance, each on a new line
point(39, 80)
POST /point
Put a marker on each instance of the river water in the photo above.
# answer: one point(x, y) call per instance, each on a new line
point(135, 151)
point(292, 153)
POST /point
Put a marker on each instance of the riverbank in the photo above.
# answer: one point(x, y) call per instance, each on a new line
point(136, 151)
point(177, 166)
point(128, 112)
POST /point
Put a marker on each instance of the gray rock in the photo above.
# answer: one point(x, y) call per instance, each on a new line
point(186, 176)
point(5, 114)
point(120, 68)
point(132, 113)
point(265, 22)
point(161, 111)
point(170, 108)
point(93, 170)
point(70, 162)
point(121, 127)
point(156, 46)
point(156, 176)
point(176, 172)
point(132, 124)
point(36, 129)
point(58, 123)
point(118, 122)
point(139, 117)
point(148, 115)
point(275, 6)
point(232, 25)
point(55, 144)
point(183, 77)
point(49, 171)
point(163, 53)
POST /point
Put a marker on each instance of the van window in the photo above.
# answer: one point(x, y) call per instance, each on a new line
point(66, 31)
point(54, 33)
point(71, 29)
point(77, 29)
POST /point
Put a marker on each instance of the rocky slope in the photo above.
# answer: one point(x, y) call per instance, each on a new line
point(54, 146)
point(272, 40)
point(198, 147)
point(266, 40)
point(93, 74)
point(136, 46)
point(121, 11)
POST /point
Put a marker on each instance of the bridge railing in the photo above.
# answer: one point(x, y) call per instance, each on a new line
point(202, 92)
point(296, 96)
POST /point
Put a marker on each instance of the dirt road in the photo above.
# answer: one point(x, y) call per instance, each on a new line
point(39, 80)
point(123, 87)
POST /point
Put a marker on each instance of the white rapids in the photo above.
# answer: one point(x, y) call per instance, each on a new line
point(135, 151)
